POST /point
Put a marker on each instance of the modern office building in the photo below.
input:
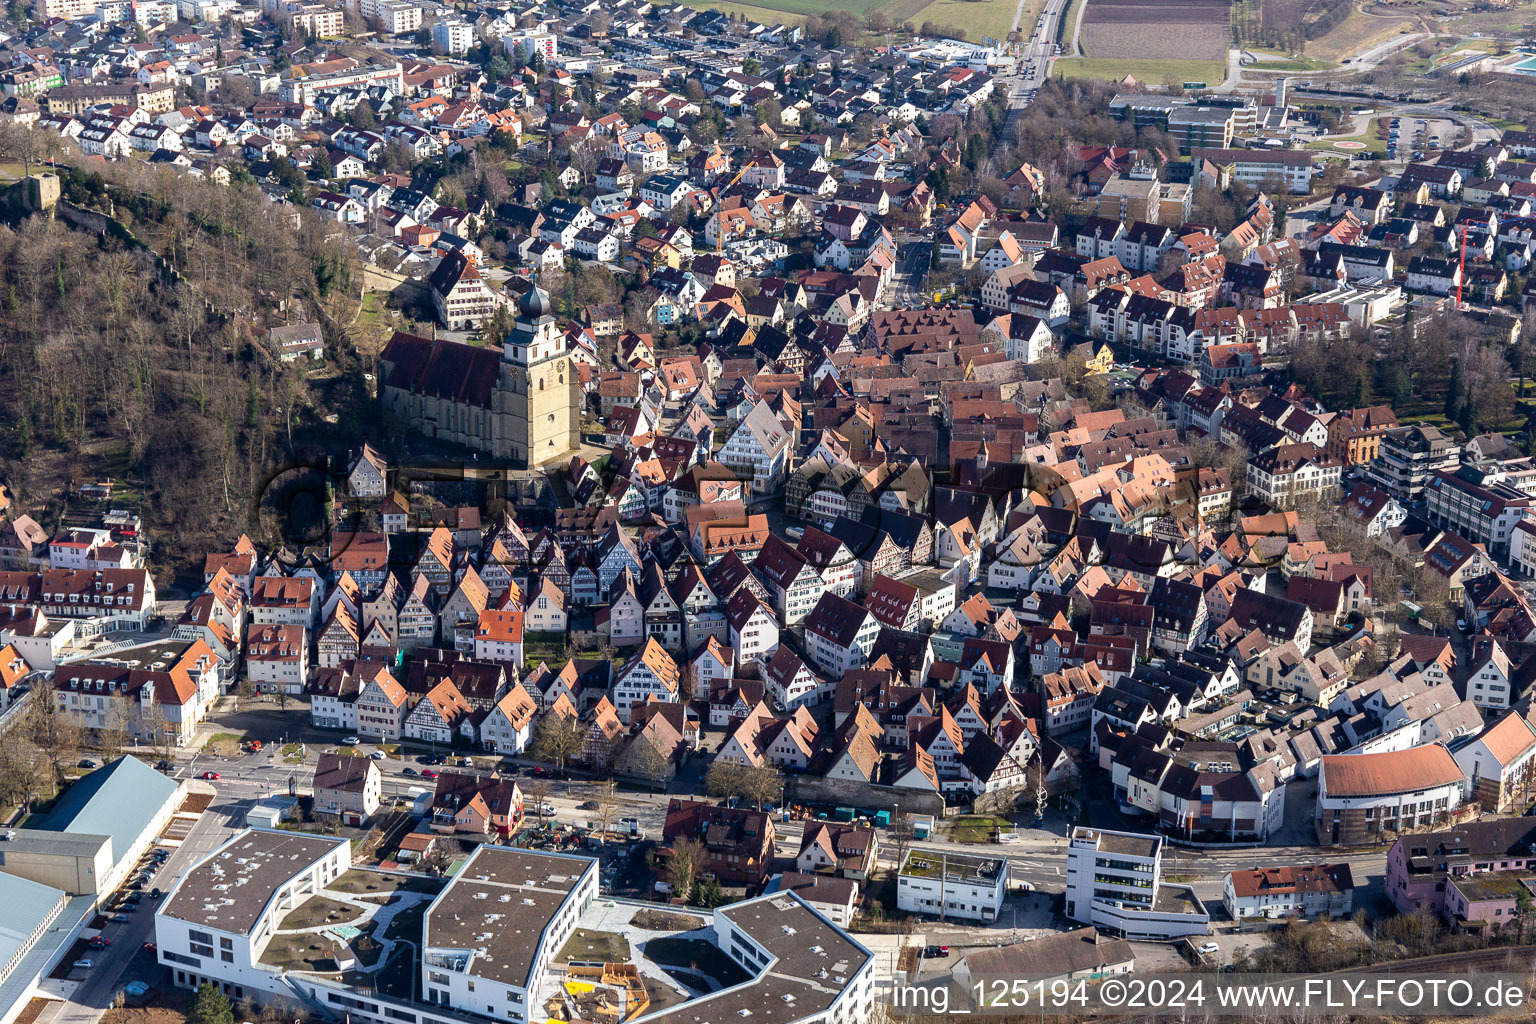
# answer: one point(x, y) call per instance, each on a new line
point(1478, 505)
point(1408, 457)
point(218, 920)
point(1114, 882)
point(489, 937)
point(490, 942)
point(952, 886)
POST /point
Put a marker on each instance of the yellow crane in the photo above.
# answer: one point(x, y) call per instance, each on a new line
point(720, 235)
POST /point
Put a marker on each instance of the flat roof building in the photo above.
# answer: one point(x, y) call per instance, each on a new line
point(952, 886)
point(500, 922)
point(1114, 882)
point(218, 920)
point(803, 968)
point(125, 800)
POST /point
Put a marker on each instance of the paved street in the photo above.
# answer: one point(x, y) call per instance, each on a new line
point(125, 960)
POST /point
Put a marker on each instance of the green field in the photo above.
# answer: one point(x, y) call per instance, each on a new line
point(982, 17)
point(1152, 71)
point(778, 9)
point(766, 15)
point(977, 18)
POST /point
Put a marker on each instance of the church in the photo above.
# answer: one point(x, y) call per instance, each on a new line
point(521, 404)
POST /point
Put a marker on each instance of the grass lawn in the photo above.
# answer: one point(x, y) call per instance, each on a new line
point(361, 882)
point(223, 737)
point(982, 17)
point(978, 828)
point(318, 910)
point(1287, 64)
point(1373, 145)
point(373, 309)
point(766, 15)
point(293, 753)
point(701, 956)
point(1356, 33)
point(1212, 72)
point(313, 951)
point(666, 920)
point(775, 10)
point(585, 944)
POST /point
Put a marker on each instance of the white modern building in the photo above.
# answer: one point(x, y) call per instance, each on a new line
point(489, 937)
point(488, 940)
point(454, 35)
point(1114, 882)
point(952, 886)
point(222, 914)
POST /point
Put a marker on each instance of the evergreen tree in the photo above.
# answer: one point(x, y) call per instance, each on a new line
point(210, 1006)
point(1453, 391)
point(1402, 387)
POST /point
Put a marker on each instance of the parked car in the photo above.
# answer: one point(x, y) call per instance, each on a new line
point(155, 894)
point(408, 771)
point(1207, 948)
point(85, 762)
point(428, 774)
point(377, 755)
point(545, 809)
point(934, 952)
point(588, 805)
point(87, 964)
point(348, 741)
point(98, 942)
point(150, 947)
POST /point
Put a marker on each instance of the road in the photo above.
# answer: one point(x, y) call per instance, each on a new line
point(1040, 52)
point(1038, 856)
point(126, 959)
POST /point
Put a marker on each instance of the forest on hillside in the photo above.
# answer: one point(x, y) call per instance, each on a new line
point(136, 354)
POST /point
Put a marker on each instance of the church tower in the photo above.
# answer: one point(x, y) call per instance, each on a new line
point(538, 389)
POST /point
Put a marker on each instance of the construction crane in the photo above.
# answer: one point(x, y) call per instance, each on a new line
point(720, 235)
point(1461, 275)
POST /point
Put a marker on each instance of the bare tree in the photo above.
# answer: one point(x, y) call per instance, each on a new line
point(536, 793)
point(22, 771)
point(725, 778)
point(899, 837)
point(55, 732)
point(650, 763)
point(685, 864)
point(764, 786)
point(557, 740)
point(607, 805)
point(156, 728)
